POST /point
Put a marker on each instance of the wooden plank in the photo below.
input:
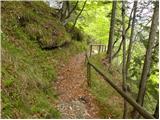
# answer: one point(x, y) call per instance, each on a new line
point(129, 99)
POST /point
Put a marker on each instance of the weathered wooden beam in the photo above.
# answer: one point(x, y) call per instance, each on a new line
point(129, 99)
point(102, 48)
point(99, 48)
point(90, 50)
point(97, 44)
point(89, 74)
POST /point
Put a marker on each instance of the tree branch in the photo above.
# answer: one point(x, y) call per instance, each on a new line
point(72, 10)
point(130, 18)
point(78, 17)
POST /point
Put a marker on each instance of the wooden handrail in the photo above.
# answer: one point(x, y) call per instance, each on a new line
point(98, 44)
point(128, 98)
point(101, 48)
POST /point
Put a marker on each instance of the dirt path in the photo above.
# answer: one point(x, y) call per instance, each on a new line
point(75, 101)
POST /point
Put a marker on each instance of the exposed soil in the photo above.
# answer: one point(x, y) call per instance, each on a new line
point(75, 101)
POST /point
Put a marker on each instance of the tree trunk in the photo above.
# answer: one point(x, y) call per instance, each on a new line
point(120, 45)
point(131, 38)
point(147, 61)
point(111, 33)
point(70, 11)
point(156, 113)
point(124, 58)
point(78, 16)
point(66, 11)
point(63, 11)
point(118, 49)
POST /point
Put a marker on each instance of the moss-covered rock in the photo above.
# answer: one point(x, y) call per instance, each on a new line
point(37, 20)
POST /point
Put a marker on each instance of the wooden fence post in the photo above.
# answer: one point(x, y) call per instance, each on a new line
point(89, 74)
point(103, 48)
point(90, 50)
point(99, 46)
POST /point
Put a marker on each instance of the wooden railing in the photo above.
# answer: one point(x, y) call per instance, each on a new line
point(128, 98)
point(97, 47)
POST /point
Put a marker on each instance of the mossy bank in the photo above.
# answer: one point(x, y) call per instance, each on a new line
point(28, 70)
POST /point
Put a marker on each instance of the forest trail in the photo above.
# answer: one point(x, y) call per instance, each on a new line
point(75, 101)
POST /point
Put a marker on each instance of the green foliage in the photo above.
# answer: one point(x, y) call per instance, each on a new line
point(135, 71)
point(93, 20)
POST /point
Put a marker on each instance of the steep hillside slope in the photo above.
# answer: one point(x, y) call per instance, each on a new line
point(36, 20)
point(28, 72)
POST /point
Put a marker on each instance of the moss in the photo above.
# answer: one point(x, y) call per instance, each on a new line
point(36, 20)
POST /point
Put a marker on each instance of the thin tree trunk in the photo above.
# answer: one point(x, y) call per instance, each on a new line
point(64, 9)
point(131, 38)
point(115, 40)
point(147, 61)
point(124, 58)
point(120, 45)
point(111, 33)
point(78, 16)
point(115, 54)
point(130, 18)
point(70, 12)
point(66, 12)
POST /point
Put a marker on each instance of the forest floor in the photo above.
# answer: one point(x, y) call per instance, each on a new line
point(75, 101)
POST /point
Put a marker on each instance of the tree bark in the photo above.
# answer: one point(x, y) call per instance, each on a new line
point(147, 61)
point(130, 18)
point(120, 45)
point(78, 16)
point(124, 58)
point(70, 12)
point(66, 11)
point(63, 11)
point(111, 33)
point(131, 38)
